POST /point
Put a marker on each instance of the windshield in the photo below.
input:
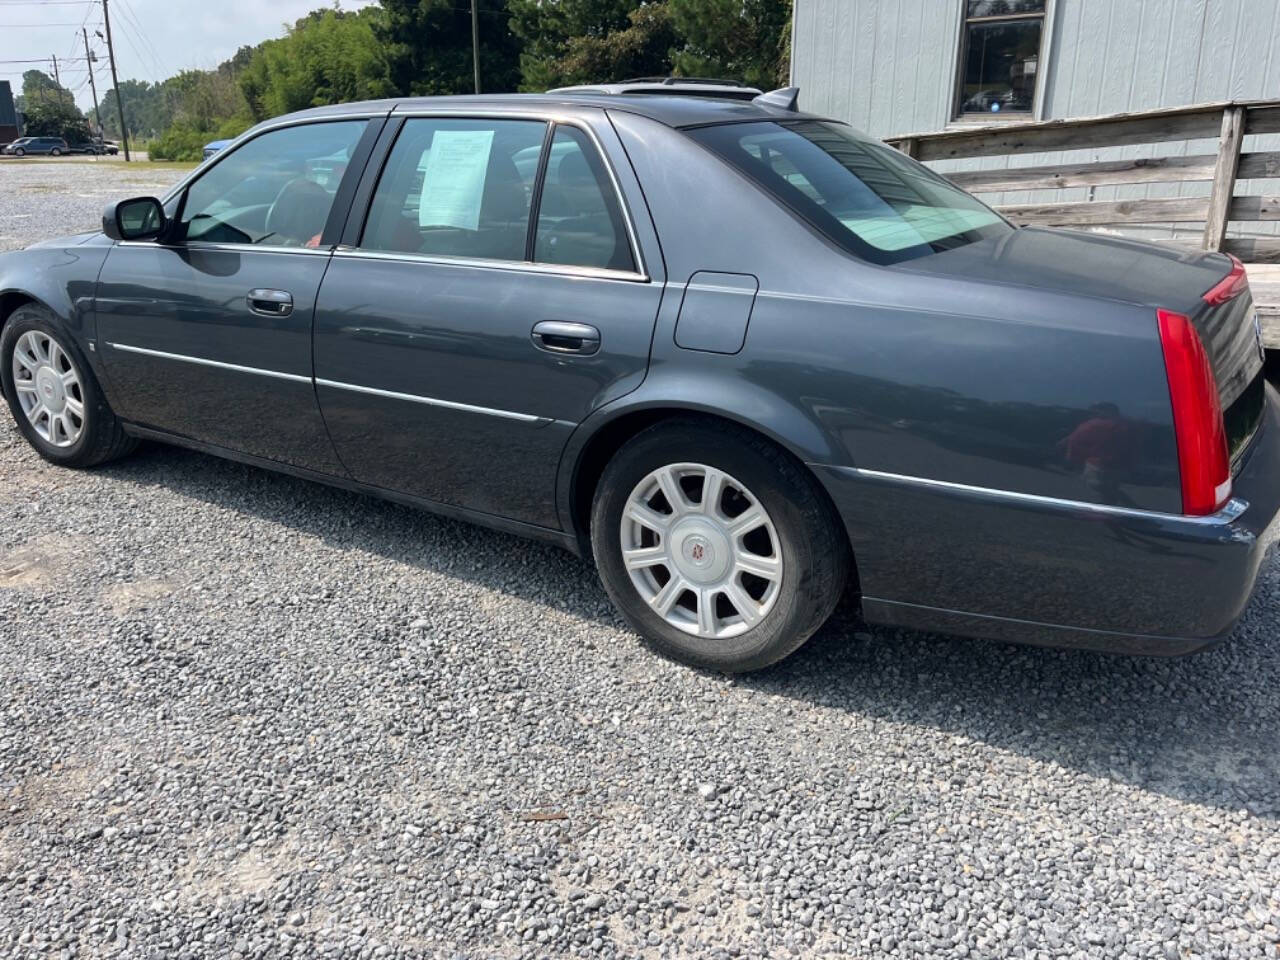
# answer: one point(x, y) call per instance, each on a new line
point(865, 196)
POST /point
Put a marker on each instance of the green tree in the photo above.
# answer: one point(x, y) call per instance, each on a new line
point(49, 110)
point(746, 40)
point(40, 88)
point(327, 57)
point(641, 49)
point(548, 27)
point(148, 109)
point(427, 44)
point(55, 118)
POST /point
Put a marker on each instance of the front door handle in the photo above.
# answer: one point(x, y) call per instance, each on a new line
point(270, 303)
point(558, 336)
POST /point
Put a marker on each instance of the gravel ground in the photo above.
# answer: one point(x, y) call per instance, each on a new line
point(41, 198)
point(248, 716)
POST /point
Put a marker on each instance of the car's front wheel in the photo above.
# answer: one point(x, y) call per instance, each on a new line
point(718, 547)
point(19, 152)
point(55, 400)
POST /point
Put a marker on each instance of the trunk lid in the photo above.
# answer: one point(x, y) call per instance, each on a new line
point(1133, 271)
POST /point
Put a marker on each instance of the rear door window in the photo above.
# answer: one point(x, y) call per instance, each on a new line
point(457, 188)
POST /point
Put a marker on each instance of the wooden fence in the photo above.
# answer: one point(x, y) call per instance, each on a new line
point(1229, 123)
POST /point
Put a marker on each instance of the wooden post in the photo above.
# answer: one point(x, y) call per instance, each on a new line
point(910, 146)
point(1224, 177)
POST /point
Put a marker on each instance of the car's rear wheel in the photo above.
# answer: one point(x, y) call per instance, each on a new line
point(55, 152)
point(56, 402)
point(717, 546)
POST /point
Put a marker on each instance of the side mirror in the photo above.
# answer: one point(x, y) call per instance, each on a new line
point(141, 218)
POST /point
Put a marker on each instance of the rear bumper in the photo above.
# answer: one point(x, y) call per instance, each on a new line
point(978, 562)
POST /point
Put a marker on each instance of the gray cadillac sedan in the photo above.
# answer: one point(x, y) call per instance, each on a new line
point(745, 357)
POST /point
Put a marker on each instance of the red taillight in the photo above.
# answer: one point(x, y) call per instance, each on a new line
point(1230, 286)
point(1197, 416)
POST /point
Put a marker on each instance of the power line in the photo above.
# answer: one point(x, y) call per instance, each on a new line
point(41, 60)
point(132, 17)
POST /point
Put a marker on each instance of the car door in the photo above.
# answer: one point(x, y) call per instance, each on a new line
point(492, 299)
point(208, 334)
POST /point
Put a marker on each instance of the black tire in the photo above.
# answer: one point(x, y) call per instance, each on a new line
point(55, 152)
point(102, 438)
point(814, 551)
point(19, 152)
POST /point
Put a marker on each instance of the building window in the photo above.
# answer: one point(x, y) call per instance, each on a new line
point(1000, 56)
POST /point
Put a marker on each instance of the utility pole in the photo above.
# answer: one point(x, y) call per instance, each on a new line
point(88, 62)
point(56, 79)
point(115, 81)
point(475, 40)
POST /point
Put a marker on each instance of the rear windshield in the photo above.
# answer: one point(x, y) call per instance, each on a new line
point(863, 195)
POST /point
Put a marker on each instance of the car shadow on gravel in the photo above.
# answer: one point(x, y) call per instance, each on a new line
point(1201, 729)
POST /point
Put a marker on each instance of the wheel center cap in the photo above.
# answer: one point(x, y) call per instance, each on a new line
point(700, 551)
point(49, 387)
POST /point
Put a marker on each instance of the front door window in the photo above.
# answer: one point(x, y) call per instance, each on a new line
point(276, 190)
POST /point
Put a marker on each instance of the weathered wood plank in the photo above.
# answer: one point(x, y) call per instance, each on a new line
point(1263, 119)
point(1258, 166)
point(1148, 170)
point(1255, 208)
point(1117, 129)
point(1224, 177)
point(1269, 320)
point(1171, 210)
point(1254, 249)
point(1264, 285)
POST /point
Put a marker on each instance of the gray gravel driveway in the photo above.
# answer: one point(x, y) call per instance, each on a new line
point(243, 715)
point(42, 198)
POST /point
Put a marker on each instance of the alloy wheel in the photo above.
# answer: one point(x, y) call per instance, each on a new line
point(49, 389)
point(701, 550)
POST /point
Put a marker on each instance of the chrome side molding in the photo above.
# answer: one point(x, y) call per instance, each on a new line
point(336, 384)
point(434, 402)
point(201, 361)
point(1229, 512)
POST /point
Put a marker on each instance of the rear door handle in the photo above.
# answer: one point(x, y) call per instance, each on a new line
point(558, 336)
point(270, 303)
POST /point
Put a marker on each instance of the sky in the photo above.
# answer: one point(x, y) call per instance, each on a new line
point(154, 39)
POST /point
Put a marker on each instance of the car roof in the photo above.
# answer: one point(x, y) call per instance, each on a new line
point(674, 111)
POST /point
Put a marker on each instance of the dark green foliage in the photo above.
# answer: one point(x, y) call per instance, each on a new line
point(328, 57)
point(747, 40)
point(50, 110)
point(427, 45)
point(586, 41)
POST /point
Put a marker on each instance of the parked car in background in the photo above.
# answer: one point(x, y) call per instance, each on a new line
point(38, 146)
point(214, 146)
point(95, 146)
point(748, 359)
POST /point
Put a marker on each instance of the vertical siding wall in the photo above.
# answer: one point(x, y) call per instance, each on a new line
point(888, 67)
